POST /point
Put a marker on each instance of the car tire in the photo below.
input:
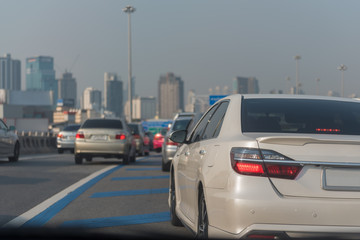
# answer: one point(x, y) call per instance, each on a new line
point(16, 153)
point(165, 167)
point(126, 159)
point(78, 159)
point(88, 158)
point(175, 221)
point(203, 221)
point(133, 157)
point(60, 150)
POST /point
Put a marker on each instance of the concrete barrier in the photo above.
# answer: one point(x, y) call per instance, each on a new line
point(37, 142)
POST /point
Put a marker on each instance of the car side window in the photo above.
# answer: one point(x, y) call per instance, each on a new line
point(2, 125)
point(198, 131)
point(213, 128)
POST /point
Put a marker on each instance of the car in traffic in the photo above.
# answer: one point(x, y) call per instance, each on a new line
point(139, 134)
point(65, 139)
point(150, 135)
point(9, 142)
point(270, 167)
point(159, 139)
point(169, 147)
point(107, 138)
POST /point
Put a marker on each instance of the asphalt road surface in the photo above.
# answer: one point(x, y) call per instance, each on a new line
point(49, 191)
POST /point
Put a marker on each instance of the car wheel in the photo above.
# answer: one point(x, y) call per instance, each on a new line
point(133, 157)
point(175, 221)
point(88, 158)
point(203, 221)
point(72, 151)
point(15, 157)
point(146, 153)
point(165, 166)
point(60, 151)
point(78, 159)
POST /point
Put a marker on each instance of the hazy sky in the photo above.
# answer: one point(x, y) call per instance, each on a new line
point(206, 42)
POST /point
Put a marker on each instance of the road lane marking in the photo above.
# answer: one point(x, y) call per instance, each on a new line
point(130, 193)
point(139, 178)
point(143, 169)
point(43, 212)
point(118, 221)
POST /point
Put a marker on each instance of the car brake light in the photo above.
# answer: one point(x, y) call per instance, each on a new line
point(136, 136)
point(120, 136)
point(265, 163)
point(60, 135)
point(328, 130)
point(80, 135)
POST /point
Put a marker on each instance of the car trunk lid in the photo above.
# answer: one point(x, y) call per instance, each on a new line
point(331, 165)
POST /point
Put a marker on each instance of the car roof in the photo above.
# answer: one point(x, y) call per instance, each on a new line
point(287, 96)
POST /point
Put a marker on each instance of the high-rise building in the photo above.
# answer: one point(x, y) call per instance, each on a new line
point(113, 91)
point(91, 99)
point(10, 73)
point(40, 75)
point(67, 90)
point(245, 85)
point(171, 95)
point(144, 108)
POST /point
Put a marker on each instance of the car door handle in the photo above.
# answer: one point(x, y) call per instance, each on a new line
point(202, 152)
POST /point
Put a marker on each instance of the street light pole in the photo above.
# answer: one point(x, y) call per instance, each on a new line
point(317, 86)
point(342, 68)
point(297, 58)
point(129, 10)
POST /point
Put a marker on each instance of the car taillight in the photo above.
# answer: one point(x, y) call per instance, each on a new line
point(120, 136)
point(158, 136)
point(60, 135)
point(136, 136)
point(265, 163)
point(80, 135)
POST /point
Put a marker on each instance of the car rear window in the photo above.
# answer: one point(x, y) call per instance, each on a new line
point(102, 123)
point(134, 128)
point(300, 116)
point(72, 128)
point(181, 124)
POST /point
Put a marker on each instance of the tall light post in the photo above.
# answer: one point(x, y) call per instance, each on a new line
point(129, 10)
point(342, 68)
point(317, 86)
point(297, 58)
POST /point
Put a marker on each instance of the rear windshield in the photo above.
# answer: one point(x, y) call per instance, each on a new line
point(300, 116)
point(181, 124)
point(134, 128)
point(72, 128)
point(102, 123)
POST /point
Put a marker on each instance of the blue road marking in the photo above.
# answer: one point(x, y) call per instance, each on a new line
point(130, 193)
point(46, 215)
point(140, 178)
point(118, 221)
point(142, 169)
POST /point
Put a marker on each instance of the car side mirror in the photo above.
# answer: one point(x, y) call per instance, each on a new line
point(178, 136)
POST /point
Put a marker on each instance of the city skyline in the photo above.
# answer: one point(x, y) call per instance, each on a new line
point(207, 44)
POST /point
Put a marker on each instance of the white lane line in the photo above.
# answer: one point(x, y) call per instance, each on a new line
point(23, 218)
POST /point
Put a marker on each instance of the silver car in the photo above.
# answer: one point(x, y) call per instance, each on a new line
point(270, 167)
point(169, 147)
point(9, 142)
point(107, 138)
point(65, 139)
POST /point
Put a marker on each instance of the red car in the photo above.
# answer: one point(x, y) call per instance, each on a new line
point(159, 139)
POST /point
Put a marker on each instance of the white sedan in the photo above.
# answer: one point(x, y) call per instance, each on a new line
point(270, 166)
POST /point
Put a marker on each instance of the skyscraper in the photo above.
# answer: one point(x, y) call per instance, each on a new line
point(91, 99)
point(40, 75)
point(171, 95)
point(10, 73)
point(67, 89)
point(113, 91)
point(245, 85)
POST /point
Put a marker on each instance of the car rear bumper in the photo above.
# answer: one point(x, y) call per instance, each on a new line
point(246, 207)
point(100, 148)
